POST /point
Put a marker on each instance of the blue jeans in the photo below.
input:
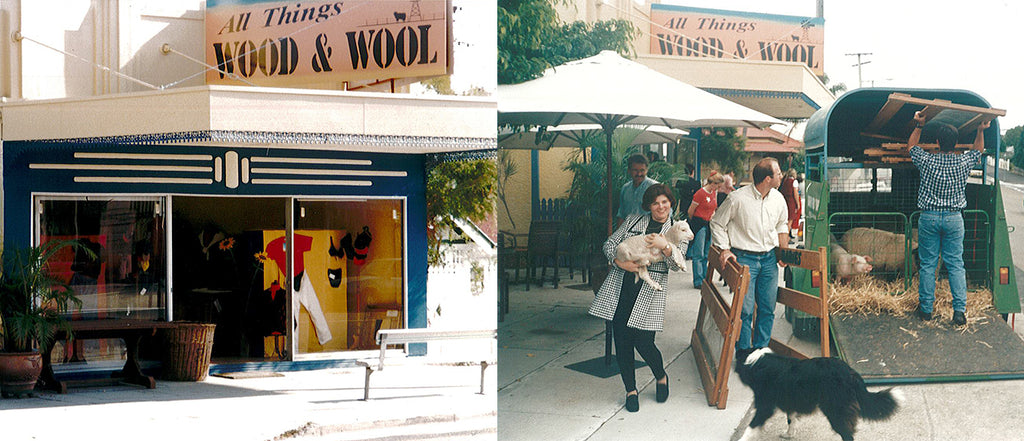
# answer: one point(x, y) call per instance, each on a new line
point(941, 233)
point(764, 278)
point(698, 251)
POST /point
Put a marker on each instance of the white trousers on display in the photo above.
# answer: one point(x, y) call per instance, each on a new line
point(306, 296)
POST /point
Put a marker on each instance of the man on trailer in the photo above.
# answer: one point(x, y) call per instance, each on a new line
point(941, 199)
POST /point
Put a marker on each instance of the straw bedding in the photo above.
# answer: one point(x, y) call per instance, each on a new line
point(865, 295)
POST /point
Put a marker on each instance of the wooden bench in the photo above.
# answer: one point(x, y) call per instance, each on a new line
point(387, 337)
point(131, 331)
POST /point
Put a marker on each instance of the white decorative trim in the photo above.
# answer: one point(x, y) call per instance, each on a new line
point(328, 172)
point(311, 182)
point(141, 180)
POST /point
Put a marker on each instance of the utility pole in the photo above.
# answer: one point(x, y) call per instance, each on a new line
point(860, 78)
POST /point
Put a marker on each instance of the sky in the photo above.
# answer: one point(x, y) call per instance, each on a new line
point(475, 50)
point(974, 45)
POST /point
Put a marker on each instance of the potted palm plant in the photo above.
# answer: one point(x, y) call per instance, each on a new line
point(33, 305)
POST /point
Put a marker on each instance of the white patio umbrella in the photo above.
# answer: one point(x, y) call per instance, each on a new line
point(571, 135)
point(609, 91)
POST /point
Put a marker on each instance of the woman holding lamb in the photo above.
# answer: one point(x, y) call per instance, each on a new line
point(703, 206)
point(635, 308)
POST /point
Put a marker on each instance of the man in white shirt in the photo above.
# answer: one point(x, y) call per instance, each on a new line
point(749, 225)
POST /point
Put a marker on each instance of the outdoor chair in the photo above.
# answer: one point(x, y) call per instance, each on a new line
point(511, 253)
point(542, 250)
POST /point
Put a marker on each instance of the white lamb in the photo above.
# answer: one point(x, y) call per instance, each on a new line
point(635, 249)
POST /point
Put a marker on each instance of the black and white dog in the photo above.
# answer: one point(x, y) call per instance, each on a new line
point(797, 387)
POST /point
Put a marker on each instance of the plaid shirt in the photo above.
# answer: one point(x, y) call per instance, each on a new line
point(943, 178)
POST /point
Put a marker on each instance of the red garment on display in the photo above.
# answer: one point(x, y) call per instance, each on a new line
point(275, 251)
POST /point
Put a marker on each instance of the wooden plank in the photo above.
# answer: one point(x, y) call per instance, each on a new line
point(800, 301)
point(902, 97)
point(895, 160)
point(877, 152)
point(973, 123)
point(926, 146)
point(785, 350)
point(886, 113)
point(867, 134)
point(704, 368)
point(716, 306)
point(809, 259)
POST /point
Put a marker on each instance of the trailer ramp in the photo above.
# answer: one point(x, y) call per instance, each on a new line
point(889, 349)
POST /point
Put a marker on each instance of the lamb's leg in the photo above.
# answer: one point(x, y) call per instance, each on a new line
point(678, 257)
point(643, 274)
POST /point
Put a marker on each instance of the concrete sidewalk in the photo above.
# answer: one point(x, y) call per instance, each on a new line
point(539, 398)
point(415, 400)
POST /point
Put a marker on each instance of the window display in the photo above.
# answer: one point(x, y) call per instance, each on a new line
point(127, 277)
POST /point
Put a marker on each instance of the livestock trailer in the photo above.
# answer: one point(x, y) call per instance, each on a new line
point(859, 178)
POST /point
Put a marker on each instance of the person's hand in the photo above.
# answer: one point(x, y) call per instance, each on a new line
point(919, 118)
point(656, 241)
point(726, 256)
point(984, 125)
point(627, 265)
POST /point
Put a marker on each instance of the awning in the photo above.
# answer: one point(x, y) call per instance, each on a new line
point(271, 117)
point(782, 90)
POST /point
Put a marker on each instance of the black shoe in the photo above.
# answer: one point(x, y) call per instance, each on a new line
point(923, 315)
point(633, 403)
point(959, 319)
point(662, 394)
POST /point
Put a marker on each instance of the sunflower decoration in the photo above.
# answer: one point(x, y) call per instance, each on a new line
point(227, 244)
point(260, 257)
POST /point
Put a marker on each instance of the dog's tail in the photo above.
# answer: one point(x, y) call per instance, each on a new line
point(879, 405)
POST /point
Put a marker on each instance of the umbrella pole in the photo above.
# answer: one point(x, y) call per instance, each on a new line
point(608, 130)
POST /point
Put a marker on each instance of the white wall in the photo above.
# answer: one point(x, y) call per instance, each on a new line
point(123, 36)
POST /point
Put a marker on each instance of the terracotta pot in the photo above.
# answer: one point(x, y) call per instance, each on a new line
point(19, 372)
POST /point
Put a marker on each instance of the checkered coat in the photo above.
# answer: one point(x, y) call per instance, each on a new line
point(649, 310)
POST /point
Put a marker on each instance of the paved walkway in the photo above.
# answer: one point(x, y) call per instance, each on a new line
point(539, 398)
point(415, 401)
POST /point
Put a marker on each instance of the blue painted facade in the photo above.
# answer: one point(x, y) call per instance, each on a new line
point(81, 168)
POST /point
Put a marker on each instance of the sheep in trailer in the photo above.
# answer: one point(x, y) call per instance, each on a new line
point(635, 249)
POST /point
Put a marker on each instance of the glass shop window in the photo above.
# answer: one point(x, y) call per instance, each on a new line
point(126, 278)
point(350, 272)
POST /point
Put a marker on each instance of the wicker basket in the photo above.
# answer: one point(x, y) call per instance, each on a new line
point(188, 351)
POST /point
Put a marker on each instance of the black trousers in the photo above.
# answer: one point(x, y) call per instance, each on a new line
point(627, 339)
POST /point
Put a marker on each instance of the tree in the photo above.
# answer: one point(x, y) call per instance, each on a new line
point(457, 189)
point(836, 89)
point(531, 39)
point(723, 147)
point(1015, 138)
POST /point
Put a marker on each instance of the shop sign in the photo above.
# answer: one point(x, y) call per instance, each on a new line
point(711, 33)
point(272, 43)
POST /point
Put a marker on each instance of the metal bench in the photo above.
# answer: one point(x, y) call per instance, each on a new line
point(387, 337)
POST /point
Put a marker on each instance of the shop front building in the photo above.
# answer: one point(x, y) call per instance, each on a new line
point(255, 165)
point(295, 243)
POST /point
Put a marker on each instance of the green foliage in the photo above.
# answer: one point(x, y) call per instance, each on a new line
point(457, 189)
point(588, 193)
point(531, 39)
point(665, 172)
point(1015, 138)
point(33, 300)
point(507, 168)
point(723, 148)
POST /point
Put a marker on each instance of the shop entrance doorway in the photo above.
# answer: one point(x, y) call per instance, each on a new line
point(230, 267)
